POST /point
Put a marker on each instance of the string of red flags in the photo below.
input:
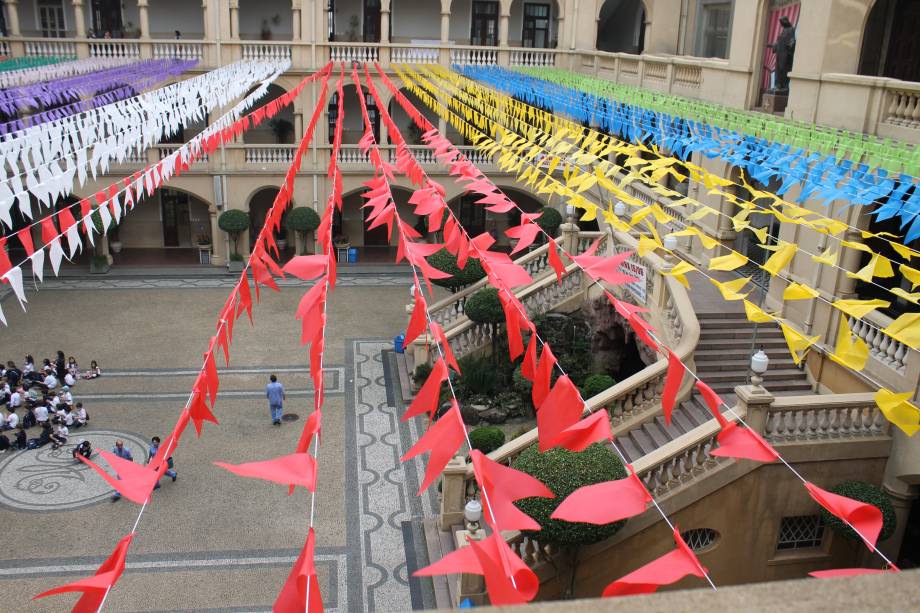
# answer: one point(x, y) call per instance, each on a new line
point(137, 482)
point(735, 441)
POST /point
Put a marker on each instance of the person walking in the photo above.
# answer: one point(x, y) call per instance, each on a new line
point(125, 454)
point(274, 391)
point(170, 471)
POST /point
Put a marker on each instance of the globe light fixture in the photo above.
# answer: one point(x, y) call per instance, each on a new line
point(619, 208)
point(759, 364)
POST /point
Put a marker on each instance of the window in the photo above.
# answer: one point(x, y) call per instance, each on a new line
point(372, 21)
point(330, 20)
point(484, 27)
point(536, 26)
point(800, 532)
point(51, 19)
point(700, 538)
point(714, 29)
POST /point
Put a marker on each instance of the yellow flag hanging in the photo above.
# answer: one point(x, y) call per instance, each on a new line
point(878, 266)
point(707, 241)
point(915, 297)
point(911, 274)
point(678, 271)
point(828, 258)
point(755, 314)
point(781, 257)
point(730, 289)
point(906, 329)
point(860, 308)
point(849, 351)
point(728, 262)
point(797, 291)
point(897, 409)
point(646, 244)
point(797, 342)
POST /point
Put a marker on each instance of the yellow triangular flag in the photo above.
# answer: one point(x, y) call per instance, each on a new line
point(911, 274)
point(755, 314)
point(897, 291)
point(860, 308)
point(797, 291)
point(728, 262)
point(897, 410)
point(707, 241)
point(827, 257)
point(646, 244)
point(906, 329)
point(702, 212)
point(678, 271)
point(782, 256)
point(797, 342)
point(905, 252)
point(640, 215)
point(730, 289)
point(849, 351)
point(878, 266)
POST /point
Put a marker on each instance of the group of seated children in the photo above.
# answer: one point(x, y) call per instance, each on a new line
point(41, 397)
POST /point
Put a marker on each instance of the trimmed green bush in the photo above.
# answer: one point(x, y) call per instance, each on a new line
point(563, 472)
point(595, 384)
point(487, 438)
point(420, 375)
point(234, 222)
point(484, 307)
point(478, 377)
point(863, 492)
point(445, 261)
point(301, 220)
point(550, 220)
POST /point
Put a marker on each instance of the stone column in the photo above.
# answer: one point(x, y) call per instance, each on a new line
point(79, 22)
point(235, 19)
point(12, 17)
point(218, 240)
point(295, 17)
point(470, 585)
point(143, 18)
point(445, 27)
point(384, 33)
point(756, 401)
point(453, 492)
point(503, 19)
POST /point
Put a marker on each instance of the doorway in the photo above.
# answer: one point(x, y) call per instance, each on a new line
point(177, 224)
point(106, 15)
point(484, 27)
point(378, 237)
point(372, 21)
point(536, 26)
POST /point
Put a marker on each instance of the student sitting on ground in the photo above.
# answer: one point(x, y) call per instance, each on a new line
point(72, 367)
point(41, 414)
point(93, 372)
point(80, 416)
point(43, 438)
point(50, 381)
point(12, 422)
point(59, 436)
point(22, 441)
point(15, 400)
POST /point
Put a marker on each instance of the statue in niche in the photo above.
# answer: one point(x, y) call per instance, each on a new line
point(784, 48)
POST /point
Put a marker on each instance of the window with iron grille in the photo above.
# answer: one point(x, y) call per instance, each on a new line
point(700, 538)
point(800, 532)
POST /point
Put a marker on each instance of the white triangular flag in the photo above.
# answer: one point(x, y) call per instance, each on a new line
point(38, 264)
point(14, 277)
point(56, 254)
point(73, 239)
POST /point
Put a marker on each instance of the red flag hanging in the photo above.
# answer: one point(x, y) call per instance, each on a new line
point(713, 402)
point(555, 261)
point(851, 572)
point(606, 502)
point(95, 587)
point(25, 237)
point(419, 320)
point(672, 383)
point(307, 267)
point(529, 363)
point(503, 486)
point(669, 568)
point(293, 597)
point(428, 397)
point(49, 232)
point(442, 439)
point(134, 482)
point(743, 443)
point(865, 518)
point(198, 410)
point(292, 469)
point(544, 374)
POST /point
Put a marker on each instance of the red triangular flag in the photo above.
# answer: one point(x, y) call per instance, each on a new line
point(198, 410)
point(669, 568)
point(561, 408)
point(713, 402)
point(529, 363)
point(25, 237)
point(441, 338)
point(604, 503)
point(555, 261)
point(851, 572)
point(863, 517)
point(442, 439)
point(94, 588)
point(592, 429)
point(419, 320)
point(672, 383)
point(292, 469)
point(134, 482)
point(544, 375)
point(307, 267)
point(428, 397)
point(503, 486)
point(743, 443)
point(301, 579)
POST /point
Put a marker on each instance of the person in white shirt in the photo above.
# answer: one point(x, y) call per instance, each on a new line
point(13, 422)
point(66, 396)
point(50, 381)
point(80, 417)
point(41, 414)
point(60, 436)
point(68, 417)
point(69, 380)
point(16, 399)
point(3, 425)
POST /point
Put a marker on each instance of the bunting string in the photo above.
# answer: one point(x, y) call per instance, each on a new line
point(59, 70)
point(733, 443)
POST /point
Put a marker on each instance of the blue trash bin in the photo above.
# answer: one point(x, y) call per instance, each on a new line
point(398, 343)
point(352, 255)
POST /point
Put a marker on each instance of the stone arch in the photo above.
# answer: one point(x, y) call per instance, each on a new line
point(353, 127)
point(258, 205)
point(279, 130)
point(406, 125)
point(174, 216)
point(889, 46)
point(621, 26)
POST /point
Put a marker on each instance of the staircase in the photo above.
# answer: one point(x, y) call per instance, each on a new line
point(722, 358)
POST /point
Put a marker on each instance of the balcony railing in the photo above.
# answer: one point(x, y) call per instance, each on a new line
point(115, 49)
point(533, 58)
point(353, 53)
point(270, 154)
point(50, 48)
point(181, 50)
point(415, 55)
point(474, 56)
point(266, 51)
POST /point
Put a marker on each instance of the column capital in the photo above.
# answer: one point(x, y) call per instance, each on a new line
point(143, 3)
point(74, 2)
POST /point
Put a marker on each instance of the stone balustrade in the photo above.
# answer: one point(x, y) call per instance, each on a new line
point(115, 49)
point(270, 154)
point(49, 47)
point(266, 51)
point(179, 49)
point(353, 53)
point(414, 55)
point(351, 155)
point(533, 58)
point(473, 56)
point(801, 418)
point(903, 108)
point(883, 348)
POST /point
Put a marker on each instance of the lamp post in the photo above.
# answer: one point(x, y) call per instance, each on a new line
point(759, 364)
point(619, 209)
point(670, 245)
point(472, 513)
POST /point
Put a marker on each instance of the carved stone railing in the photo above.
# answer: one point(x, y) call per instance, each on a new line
point(353, 53)
point(115, 49)
point(414, 55)
point(266, 51)
point(543, 57)
point(180, 49)
point(164, 151)
point(269, 154)
point(887, 350)
point(50, 48)
point(352, 155)
point(903, 105)
point(474, 56)
point(809, 418)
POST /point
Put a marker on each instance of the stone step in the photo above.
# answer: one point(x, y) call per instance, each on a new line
point(695, 412)
point(679, 419)
point(675, 429)
point(628, 447)
point(772, 374)
point(735, 332)
point(775, 354)
point(740, 364)
point(726, 388)
point(735, 323)
point(740, 343)
point(642, 441)
point(719, 315)
point(656, 434)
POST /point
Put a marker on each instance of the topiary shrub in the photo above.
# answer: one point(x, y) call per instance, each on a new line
point(550, 220)
point(445, 261)
point(563, 472)
point(420, 375)
point(863, 492)
point(234, 222)
point(487, 438)
point(484, 307)
point(595, 384)
point(302, 220)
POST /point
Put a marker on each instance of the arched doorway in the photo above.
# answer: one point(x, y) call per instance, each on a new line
point(891, 45)
point(259, 205)
point(407, 127)
point(351, 226)
point(476, 219)
point(353, 128)
point(621, 26)
point(279, 130)
point(186, 221)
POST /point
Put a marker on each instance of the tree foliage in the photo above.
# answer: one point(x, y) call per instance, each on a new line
point(595, 384)
point(550, 220)
point(487, 438)
point(233, 222)
point(863, 492)
point(484, 307)
point(445, 261)
point(302, 219)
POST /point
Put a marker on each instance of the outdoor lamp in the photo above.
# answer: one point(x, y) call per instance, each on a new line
point(759, 364)
point(472, 513)
point(670, 242)
point(570, 212)
point(619, 208)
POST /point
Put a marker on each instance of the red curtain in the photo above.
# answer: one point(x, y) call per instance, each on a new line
point(773, 29)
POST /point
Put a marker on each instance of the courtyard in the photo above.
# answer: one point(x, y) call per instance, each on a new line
point(212, 541)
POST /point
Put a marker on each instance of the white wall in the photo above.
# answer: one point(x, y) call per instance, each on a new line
point(252, 12)
point(166, 16)
point(415, 20)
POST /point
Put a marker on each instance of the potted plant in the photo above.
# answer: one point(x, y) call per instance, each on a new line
point(114, 243)
point(234, 222)
point(203, 241)
point(303, 221)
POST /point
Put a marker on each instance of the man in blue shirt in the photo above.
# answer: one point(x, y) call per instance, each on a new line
point(154, 448)
point(274, 391)
point(125, 454)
